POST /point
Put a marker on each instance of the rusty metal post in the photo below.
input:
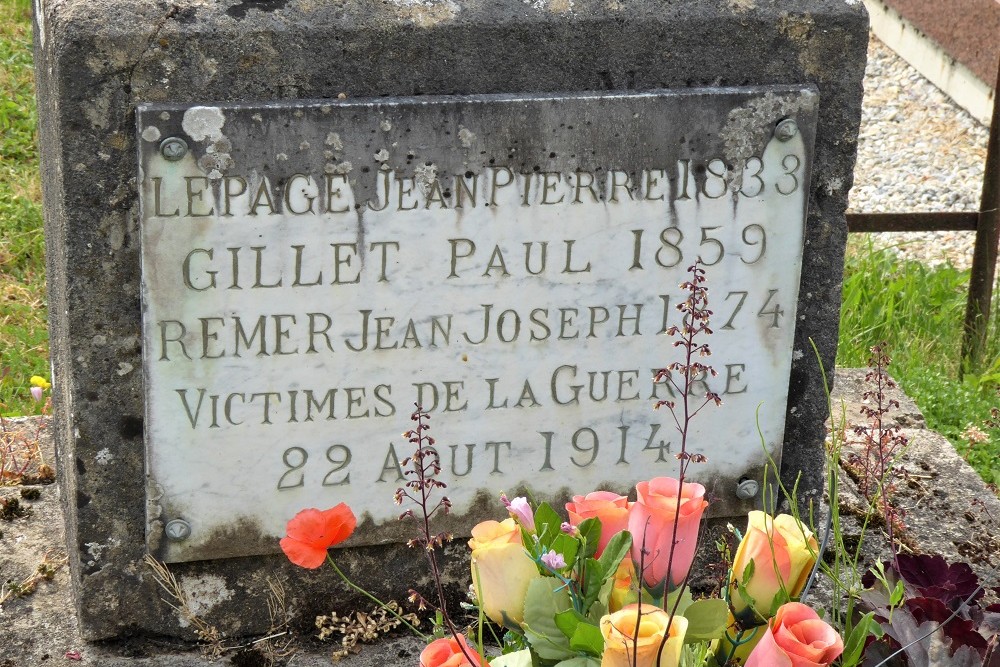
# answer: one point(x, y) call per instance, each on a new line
point(984, 256)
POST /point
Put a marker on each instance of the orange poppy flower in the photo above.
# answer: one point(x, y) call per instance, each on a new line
point(311, 532)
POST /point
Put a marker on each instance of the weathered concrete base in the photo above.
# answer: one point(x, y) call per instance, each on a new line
point(947, 512)
point(947, 508)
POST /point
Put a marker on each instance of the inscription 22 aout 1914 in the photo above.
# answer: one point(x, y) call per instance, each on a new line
point(311, 270)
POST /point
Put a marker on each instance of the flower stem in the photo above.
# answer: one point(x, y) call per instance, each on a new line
point(374, 599)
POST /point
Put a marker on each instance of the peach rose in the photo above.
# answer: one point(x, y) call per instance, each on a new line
point(501, 571)
point(447, 652)
point(783, 552)
point(797, 637)
point(621, 648)
point(651, 518)
point(609, 507)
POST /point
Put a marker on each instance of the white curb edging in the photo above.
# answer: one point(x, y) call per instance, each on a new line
point(927, 57)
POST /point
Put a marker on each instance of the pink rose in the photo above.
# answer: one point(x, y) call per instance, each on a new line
point(660, 503)
point(796, 637)
point(609, 507)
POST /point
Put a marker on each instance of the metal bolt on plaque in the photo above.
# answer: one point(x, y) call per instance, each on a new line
point(173, 148)
point(786, 129)
point(178, 529)
point(747, 489)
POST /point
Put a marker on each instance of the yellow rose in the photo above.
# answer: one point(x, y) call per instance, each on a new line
point(501, 571)
point(624, 589)
point(621, 648)
point(783, 552)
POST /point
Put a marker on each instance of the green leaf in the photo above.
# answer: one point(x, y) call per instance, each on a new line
point(548, 524)
point(520, 658)
point(566, 545)
point(695, 655)
point(567, 621)
point(597, 611)
point(587, 638)
point(617, 548)
point(512, 642)
point(615, 551)
point(780, 598)
point(594, 580)
point(546, 598)
point(706, 620)
point(583, 634)
point(682, 605)
point(854, 645)
point(580, 661)
point(897, 594)
point(741, 589)
point(590, 533)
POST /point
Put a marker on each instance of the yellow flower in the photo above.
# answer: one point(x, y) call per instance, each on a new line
point(501, 571)
point(622, 591)
point(39, 381)
point(621, 648)
point(783, 552)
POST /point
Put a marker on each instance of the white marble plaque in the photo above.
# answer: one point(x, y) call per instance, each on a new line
point(311, 270)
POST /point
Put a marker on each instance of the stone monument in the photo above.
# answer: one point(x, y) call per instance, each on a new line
point(273, 227)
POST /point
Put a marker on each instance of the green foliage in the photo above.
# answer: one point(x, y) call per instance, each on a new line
point(583, 635)
point(562, 611)
point(695, 655)
point(590, 587)
point(546, 598)
point(919, 311)
point(707, 619)
point(854, 644)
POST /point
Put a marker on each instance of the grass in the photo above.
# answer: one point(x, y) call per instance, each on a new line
point(919, 312)
point(23, 335)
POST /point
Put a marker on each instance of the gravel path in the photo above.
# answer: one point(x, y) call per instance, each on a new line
point(917, 151)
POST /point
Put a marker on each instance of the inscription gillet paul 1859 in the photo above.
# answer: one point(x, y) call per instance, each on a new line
point(311, 270)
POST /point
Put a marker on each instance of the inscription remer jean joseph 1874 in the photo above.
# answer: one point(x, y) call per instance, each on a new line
point(311, 271)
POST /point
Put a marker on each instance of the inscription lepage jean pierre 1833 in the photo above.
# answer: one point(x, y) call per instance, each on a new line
point(311, 270)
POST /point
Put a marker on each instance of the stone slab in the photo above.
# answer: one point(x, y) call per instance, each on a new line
point(311, 271)
point(97, 60)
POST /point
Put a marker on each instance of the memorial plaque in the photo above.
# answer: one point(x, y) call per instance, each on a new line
point(310, 270)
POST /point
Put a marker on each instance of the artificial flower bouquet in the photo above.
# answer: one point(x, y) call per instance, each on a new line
point(606, 585)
